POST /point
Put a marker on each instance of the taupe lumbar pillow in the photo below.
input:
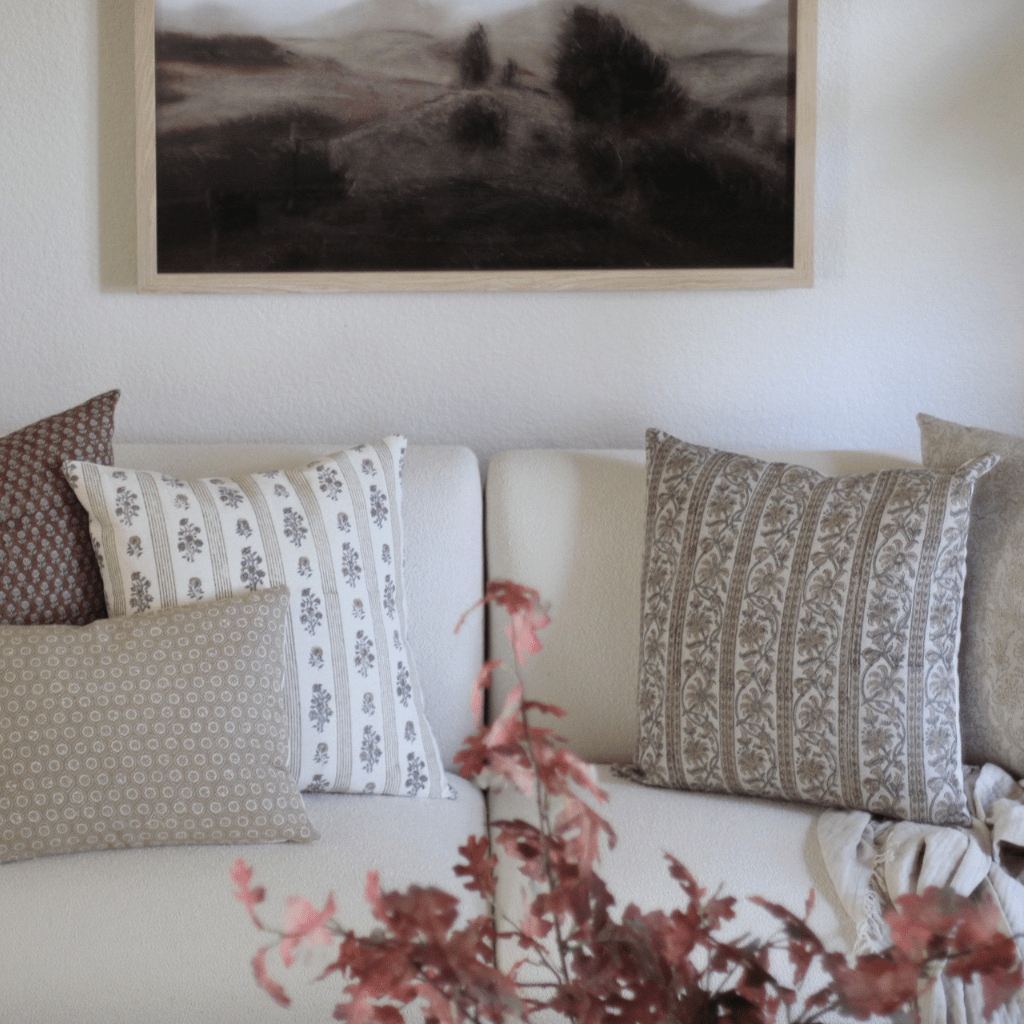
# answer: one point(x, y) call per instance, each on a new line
point(332, 532)
point(992, 651)
point(800, 632)
point(157, 730)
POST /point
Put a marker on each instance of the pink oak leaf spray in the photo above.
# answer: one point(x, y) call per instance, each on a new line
point(584, 960)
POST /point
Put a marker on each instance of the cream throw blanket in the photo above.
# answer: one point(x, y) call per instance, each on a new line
point(872, 861)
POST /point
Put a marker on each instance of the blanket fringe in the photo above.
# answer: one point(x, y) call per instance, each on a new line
point(872, 931)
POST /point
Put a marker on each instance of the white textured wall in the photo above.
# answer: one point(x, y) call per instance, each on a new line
point(919, 300)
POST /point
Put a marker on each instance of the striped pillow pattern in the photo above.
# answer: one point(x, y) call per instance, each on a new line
point(800, 632)
point(332, 533)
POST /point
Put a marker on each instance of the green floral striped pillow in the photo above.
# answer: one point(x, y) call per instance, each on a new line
point(800, 632)
point(332, 533)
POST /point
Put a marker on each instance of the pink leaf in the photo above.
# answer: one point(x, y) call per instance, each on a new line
point(241, 875)
point(358, 1010)
point(522, 632)
point(513, 597)
point(878, 983)
point(481, 683)
point(497, 751)
point(531, 926)
point(507, 726)
point(265, 982)
point(582, 827)
point(304, 925)
point(479, 867)
point(525, 610)
point(999, 982)
point(440, 1007)
point(559, 765)
point(372, 893)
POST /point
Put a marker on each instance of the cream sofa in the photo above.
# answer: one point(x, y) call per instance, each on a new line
point(155, 935)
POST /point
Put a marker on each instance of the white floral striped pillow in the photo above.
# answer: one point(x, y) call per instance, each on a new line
point(332, 533)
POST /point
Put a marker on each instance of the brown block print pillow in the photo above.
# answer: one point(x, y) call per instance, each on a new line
point(154, 730)
point(48, 572)
point(800, 632)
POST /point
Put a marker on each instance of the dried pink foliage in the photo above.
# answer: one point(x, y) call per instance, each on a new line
point(250, 898)
point(274, 989)
point(304, 925)
point(594, 966)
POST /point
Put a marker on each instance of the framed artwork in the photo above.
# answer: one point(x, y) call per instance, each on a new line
point(392, 145)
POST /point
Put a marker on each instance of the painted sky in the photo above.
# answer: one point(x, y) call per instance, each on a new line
point(280, 12)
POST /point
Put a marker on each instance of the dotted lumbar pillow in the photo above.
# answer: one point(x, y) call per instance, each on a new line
point(330, 531)
point(156, 730)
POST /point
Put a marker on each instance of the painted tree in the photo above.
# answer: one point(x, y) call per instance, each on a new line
point(475, 63)
point(610, 75)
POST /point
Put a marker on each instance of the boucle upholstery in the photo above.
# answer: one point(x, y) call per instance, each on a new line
point(155, 936)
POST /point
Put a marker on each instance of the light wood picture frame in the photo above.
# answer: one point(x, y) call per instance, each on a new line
point(358, 151)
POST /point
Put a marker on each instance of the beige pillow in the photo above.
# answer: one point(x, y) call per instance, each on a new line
point(156, 730)
point(992, 651)
point(800, 632)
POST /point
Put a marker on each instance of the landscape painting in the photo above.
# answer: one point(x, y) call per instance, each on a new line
point(350, 144)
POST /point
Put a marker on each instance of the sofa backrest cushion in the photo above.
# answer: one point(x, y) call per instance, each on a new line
point(571, 524)
point(442, 512)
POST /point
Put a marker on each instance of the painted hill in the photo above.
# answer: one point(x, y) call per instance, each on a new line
point(676, 28)
point(732, 76)
point(400, 54)
point(370, 15)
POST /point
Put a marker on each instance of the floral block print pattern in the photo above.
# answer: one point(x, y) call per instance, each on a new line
point(332, 533)
point(800, 632)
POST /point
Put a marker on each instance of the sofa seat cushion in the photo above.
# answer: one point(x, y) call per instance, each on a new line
point(156, 935)
point(746, 846)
